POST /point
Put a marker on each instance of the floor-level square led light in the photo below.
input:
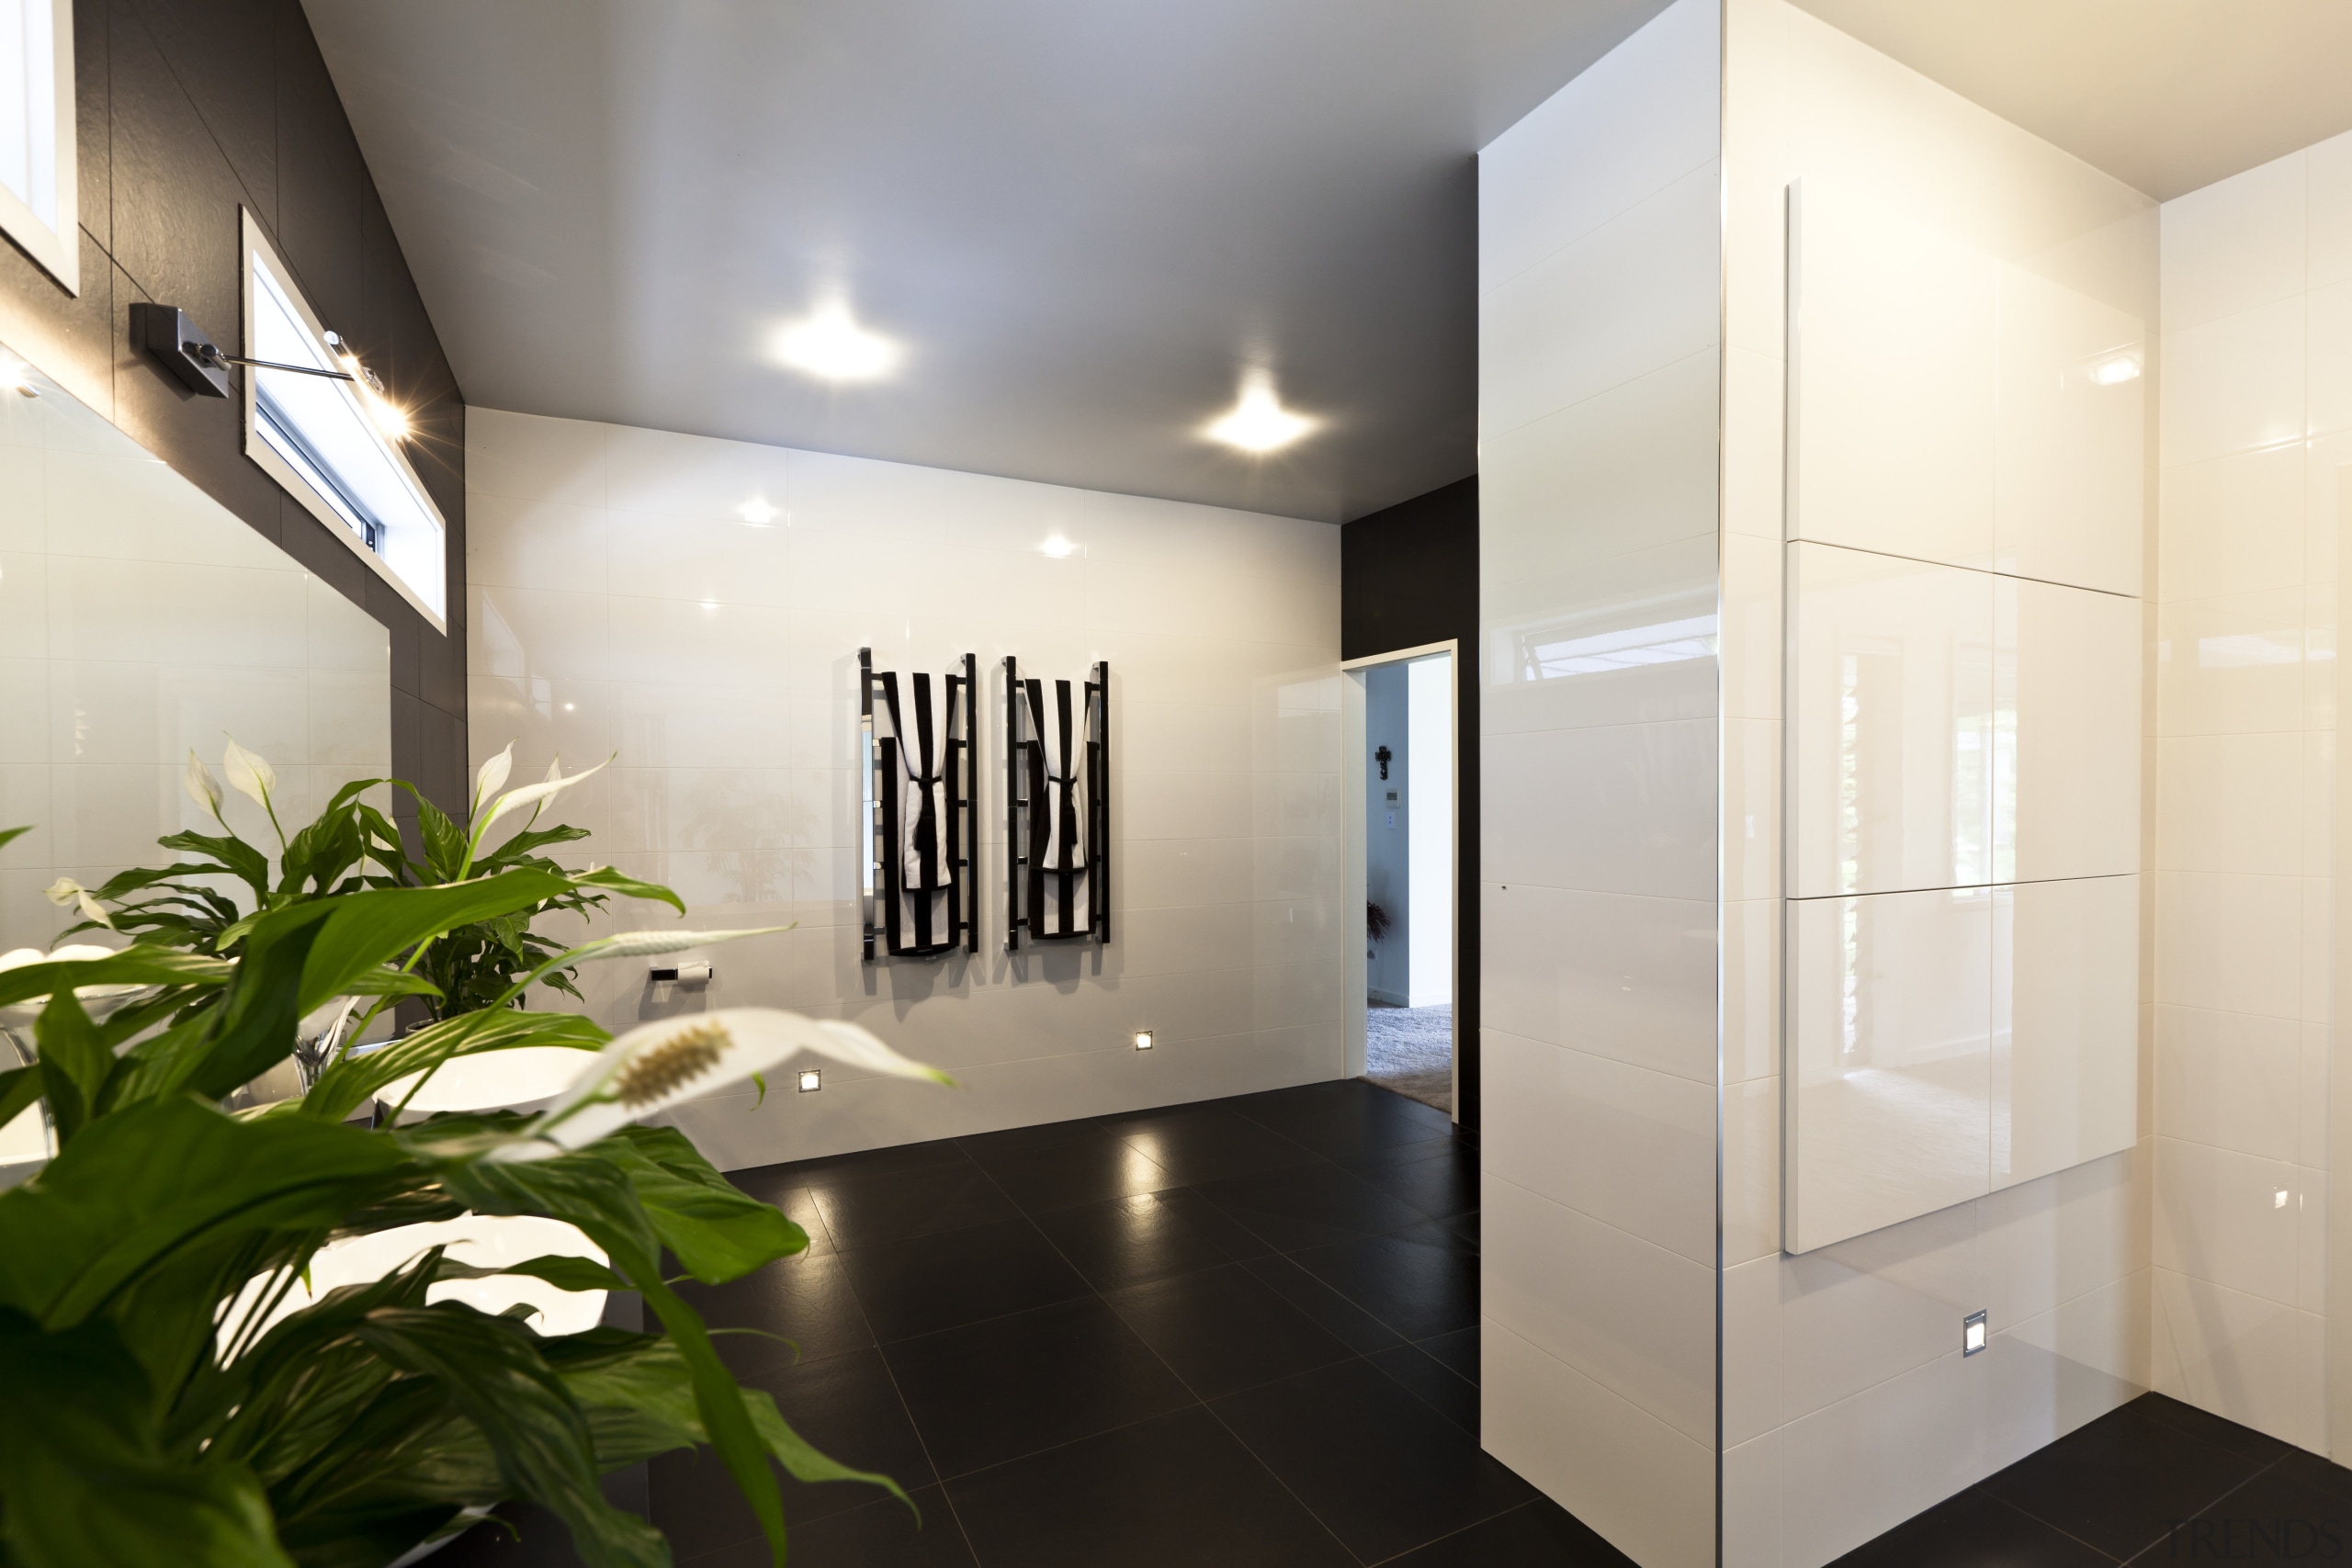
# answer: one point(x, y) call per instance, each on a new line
point(1971, 1333)
point(812, 1080)
point(1143, 1039)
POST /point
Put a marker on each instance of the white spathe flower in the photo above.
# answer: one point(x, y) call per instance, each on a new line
point(99, 1001)
point(531, 794)
point(66, 893)
point(250, 774)
point(492, 777)
point(656, 1065)
point(200, 783)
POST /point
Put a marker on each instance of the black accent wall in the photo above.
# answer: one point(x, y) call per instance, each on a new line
point(1409, 575)
point(188, 110)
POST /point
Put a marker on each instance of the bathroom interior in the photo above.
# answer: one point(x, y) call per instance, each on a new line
point(1602, 739)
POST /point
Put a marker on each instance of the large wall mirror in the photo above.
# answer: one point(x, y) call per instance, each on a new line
point(139, 621)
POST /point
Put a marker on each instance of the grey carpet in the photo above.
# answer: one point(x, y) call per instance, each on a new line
point(1410, 1050)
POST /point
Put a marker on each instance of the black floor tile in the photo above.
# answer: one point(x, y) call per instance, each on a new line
point(884, 1534)
point(957, 1276)
point(1224, 1330)
point(1348, 1125)
point(865, 1207)
point(2278, 1516)
point(795, 1308)
point(866, 1162)
point(1540, 1534)
point(847, 1405)
point(1209, 1145)
point(2307, 1469)
point(1973, 1530)
point(1312, 1205)
point(1131, 1241)
point(1442, 1182)
point(2117, 1482)
point(1179, 1492)
point(994, 1391)
point(1085, 1169)
point(2218, 1430)
point(1421, 1283)
point(1458, 1352)
point(782, 1186)
point(1355, 1327)
point(984, 1146)
point(1385, 1471)
point(1451, 1396)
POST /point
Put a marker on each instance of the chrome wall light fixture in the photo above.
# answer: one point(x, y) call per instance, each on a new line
point(202, 365)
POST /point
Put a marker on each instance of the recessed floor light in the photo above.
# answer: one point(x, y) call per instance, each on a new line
point(812, 1080)
point(1143, 1039)
point(1971, 1333)
point(830, 345)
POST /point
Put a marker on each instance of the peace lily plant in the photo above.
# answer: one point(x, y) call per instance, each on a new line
point(161, 1405)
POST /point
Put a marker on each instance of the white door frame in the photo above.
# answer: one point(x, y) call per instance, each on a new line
point(1351, 788)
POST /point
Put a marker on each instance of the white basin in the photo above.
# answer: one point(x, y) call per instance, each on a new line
point(482, 1240)
point(525, 1078)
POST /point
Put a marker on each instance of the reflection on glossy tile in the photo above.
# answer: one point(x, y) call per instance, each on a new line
point(2066, 766)
point(1891, 724)
point(1894, 382)
point(2065, 1022)
point(1891, 1040)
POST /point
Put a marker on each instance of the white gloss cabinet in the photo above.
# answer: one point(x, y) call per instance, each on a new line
point(1963, 721)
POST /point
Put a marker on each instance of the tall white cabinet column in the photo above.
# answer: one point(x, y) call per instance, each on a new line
point(1815, 994)
point(1600, 317)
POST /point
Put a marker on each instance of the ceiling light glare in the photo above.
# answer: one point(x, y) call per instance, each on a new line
point(1057, 547)
point(1259, 422)
point(16, 375)
point(758, 513)
point(830, 345)
point(2114, 372)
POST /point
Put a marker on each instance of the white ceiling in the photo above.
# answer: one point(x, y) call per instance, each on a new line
point(2167, 96)
point(1085, 218)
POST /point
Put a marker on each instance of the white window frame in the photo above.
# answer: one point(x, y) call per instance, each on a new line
point(57, 247)
point(258, 252)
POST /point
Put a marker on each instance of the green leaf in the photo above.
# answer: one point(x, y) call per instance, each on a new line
point(364, 931)
point(10, 835)
point(139, 965)
point(83, 1479)
point(391, 983)
point(75, 1062)
point(619, 882)
point(248, 863)
point(19, 1091)
point(140, 1185)
point(717, 1232)
point(348, 1084)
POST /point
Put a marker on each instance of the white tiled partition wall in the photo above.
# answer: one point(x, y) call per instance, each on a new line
point(1939, 612)
point(693, 608)
point(2257, 441)
point(1600, 244)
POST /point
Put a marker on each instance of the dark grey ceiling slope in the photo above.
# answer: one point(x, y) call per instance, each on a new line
point(1084, 219)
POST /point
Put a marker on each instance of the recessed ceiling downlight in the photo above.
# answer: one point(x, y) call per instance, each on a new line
point(829, 345)
point(1259, 422)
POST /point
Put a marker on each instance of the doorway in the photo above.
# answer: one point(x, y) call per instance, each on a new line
point(1401, 1012)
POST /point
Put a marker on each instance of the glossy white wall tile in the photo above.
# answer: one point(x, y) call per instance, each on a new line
point(694, 608)
point(2005, 742)
point(1602, 697)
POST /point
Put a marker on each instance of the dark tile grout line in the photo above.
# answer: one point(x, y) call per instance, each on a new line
point(1095, 1292)
point(2147, 1553)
